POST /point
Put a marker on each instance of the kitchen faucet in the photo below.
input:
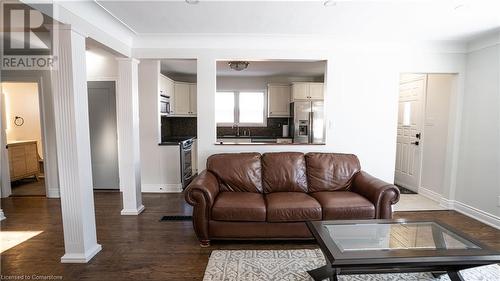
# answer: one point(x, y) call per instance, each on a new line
point(237, 129)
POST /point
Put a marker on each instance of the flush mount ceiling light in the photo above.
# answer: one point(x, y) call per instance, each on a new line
point(329, 3)
point(193, 2)
point(238, 65)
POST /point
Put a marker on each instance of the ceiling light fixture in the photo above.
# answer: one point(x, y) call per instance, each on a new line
point(238, 65)
point(192, 2)
point(329, 3)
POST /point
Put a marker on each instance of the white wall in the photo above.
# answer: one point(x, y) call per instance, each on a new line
point(159, 164)
point(101, 65)
point(21, 99)
point(478, 180)
point(440, 88)
point(361, 92)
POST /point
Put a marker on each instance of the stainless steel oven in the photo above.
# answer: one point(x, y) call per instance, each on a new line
point(187, 175)
point(164, 105)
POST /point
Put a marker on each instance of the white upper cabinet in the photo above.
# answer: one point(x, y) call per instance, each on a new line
point(278, 100)
point(184, 103)
point(192, 99)
point(307, 91)
point(316, 91)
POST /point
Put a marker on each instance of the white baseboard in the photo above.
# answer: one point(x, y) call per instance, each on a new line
point(53, 193)
point(434, 196)
point(81, 258)
point(446, 203)
point(477, 214)
point(132, 212)
point(161, 188)
point(462, 208)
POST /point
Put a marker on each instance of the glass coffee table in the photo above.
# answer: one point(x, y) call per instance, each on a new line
point(396, 246)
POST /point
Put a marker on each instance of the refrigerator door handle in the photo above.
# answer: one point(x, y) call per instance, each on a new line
point(311, 130)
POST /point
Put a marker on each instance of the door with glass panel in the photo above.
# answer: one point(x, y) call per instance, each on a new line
point(409, 132)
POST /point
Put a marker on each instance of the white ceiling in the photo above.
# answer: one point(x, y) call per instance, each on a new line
point(275, 68)
point(178, 66)
point(255, 68)
point(402, 19)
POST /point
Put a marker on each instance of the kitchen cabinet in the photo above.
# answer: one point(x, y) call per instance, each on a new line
point(184, 99)
point(307, 91)
point(278, 100)
point(23, 160)
point(192, 99)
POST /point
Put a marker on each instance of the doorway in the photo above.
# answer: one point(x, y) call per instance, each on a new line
point(22, 134)
point(422, 136)
point(103, 134)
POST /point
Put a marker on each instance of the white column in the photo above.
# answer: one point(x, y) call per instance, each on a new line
point(129, 159)
point(73, 147)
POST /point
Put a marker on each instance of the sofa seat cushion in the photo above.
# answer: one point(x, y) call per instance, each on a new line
point(239, 206)
point(291, 207)
point(344, 205)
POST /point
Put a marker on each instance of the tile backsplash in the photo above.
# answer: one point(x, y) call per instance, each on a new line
point(178, 126)
point(273, 129)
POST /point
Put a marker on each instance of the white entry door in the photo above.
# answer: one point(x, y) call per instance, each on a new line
point(408, 151)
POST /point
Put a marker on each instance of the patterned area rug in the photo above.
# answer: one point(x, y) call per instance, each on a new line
point(291, 265)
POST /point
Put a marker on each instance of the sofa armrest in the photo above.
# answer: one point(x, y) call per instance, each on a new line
point(382, 194)
point(201, 194)
point(205, 183)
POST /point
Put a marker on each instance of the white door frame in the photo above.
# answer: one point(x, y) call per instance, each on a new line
point(454, 129)
point(48, 171)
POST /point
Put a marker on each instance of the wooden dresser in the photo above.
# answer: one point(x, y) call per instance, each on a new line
point(23, 160)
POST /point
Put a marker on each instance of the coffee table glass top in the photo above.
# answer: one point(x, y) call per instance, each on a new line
point(395, 236)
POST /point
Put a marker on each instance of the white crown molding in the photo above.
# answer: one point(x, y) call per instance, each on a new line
point(488, 40)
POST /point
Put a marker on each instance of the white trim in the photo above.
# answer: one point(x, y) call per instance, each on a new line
point(482, 42)
point(477, 214)
point(53, 193)
point(432, 195)
point(446, 203)
point(162, 188)
point(102, 79)
point(78, 258)
point(132, 212)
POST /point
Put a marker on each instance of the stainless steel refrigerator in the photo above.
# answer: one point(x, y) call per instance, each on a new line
point(308, 122)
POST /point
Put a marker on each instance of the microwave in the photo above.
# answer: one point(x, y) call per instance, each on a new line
point(164, 105)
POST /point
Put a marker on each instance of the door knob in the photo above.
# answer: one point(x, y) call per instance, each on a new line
point(418, 135)
point(415, 142)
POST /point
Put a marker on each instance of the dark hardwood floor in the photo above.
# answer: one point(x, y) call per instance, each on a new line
point(142, 247)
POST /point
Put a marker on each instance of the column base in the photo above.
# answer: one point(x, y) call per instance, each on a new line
point(132, 212)
point(81, 258)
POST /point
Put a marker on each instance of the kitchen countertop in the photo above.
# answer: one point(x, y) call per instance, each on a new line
point(174, 140)
point(264, 143)
point(252, 137)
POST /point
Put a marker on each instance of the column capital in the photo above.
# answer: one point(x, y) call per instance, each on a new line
point(68, 27)
point(132, 60)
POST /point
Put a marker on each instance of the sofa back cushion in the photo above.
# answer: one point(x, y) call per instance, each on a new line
point(330, 171)
point(237, 171)
point(284, 172)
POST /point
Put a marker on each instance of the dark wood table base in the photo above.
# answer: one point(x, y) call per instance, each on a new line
point(330, 273)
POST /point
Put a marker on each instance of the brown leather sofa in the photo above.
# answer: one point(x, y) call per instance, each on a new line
point(270, 196)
